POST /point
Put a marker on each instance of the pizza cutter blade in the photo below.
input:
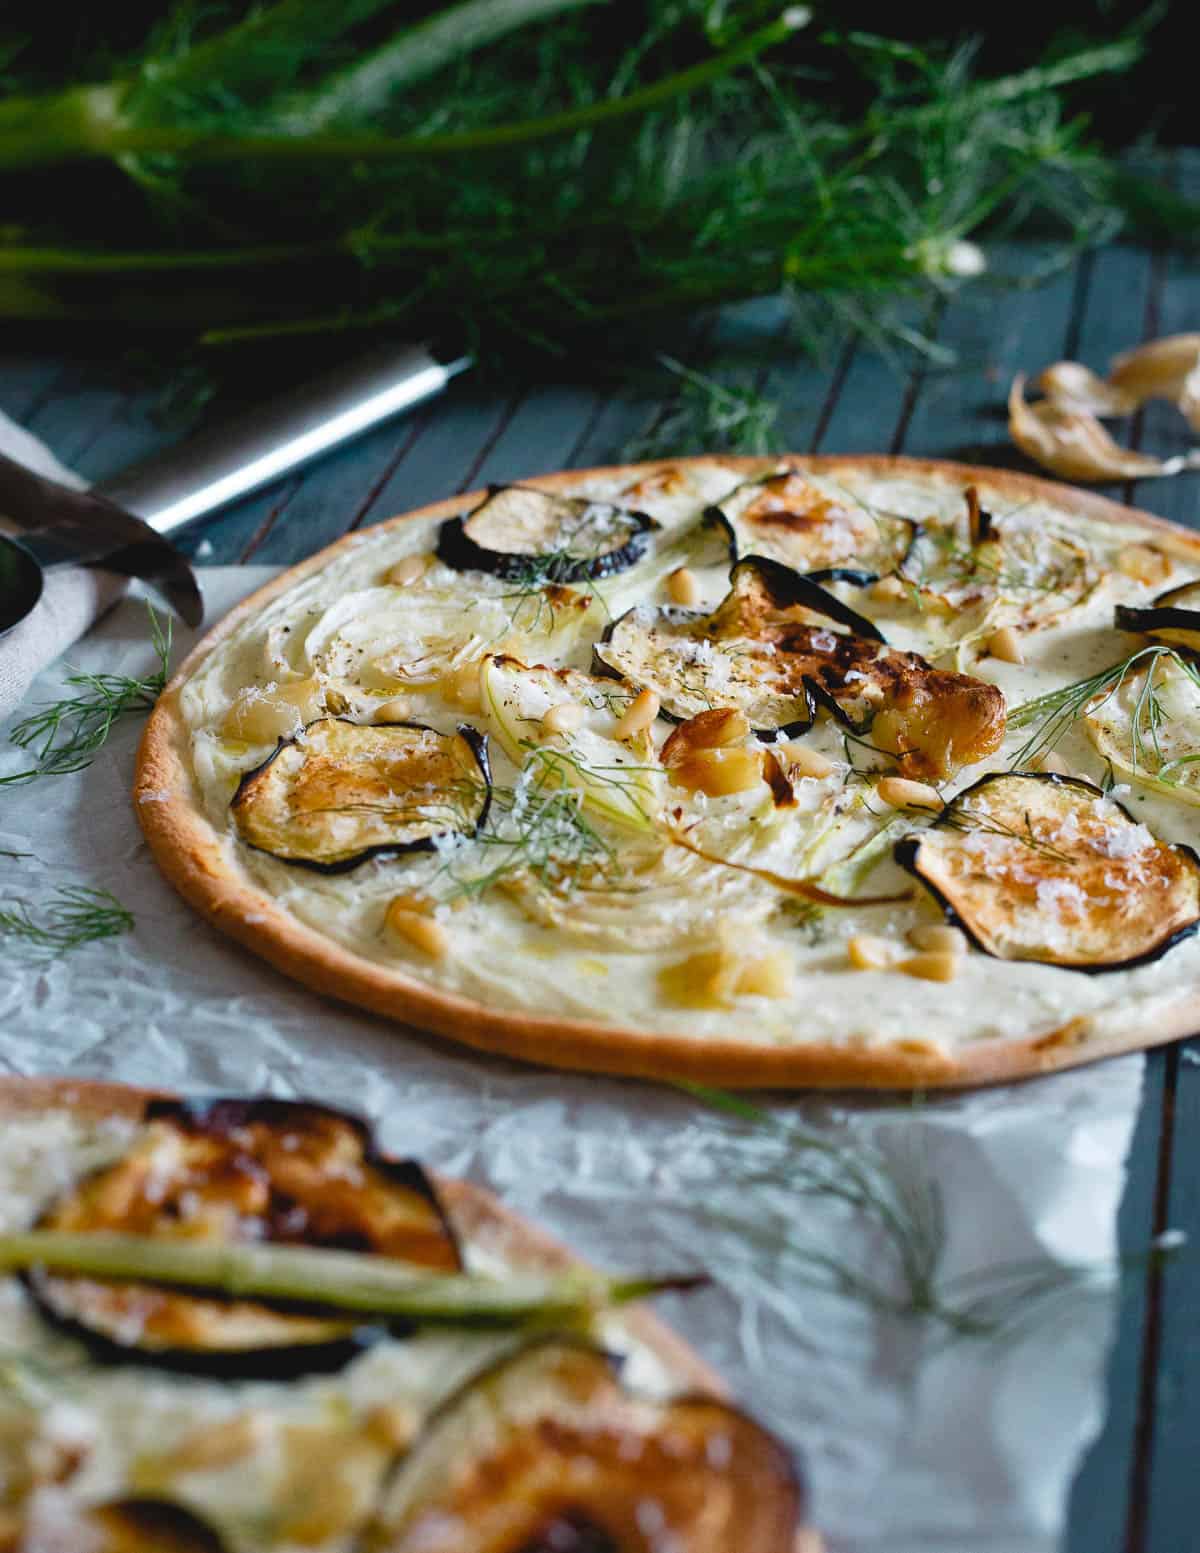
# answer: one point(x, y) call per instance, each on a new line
point(119, 525)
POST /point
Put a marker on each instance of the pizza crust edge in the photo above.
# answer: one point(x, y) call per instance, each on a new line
point(188, 852)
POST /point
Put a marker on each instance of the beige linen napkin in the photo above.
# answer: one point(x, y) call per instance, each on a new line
point(74, 598)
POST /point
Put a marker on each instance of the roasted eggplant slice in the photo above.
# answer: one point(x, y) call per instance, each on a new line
point(1174, 617)
point(546, 1452)
point(763, 651)
point(786, 518)
point(342, 792)
point(523, 534)
point(274, 1170)
point(1046, 868)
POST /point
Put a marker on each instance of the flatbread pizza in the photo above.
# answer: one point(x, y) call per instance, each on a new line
point(809, 771)
point(143, 1413)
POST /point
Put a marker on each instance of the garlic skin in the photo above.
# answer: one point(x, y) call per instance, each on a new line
point(1160, 369)
point(1073, 386)
point(1157, 370)
point(1189, 398)
point(1074, 445)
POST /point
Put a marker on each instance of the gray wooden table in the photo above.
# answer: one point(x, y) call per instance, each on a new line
point(1139, 1489)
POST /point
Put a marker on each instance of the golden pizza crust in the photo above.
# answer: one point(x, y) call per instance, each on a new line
point(190, 853)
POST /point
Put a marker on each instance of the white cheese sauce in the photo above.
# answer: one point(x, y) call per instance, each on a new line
point(604, 959)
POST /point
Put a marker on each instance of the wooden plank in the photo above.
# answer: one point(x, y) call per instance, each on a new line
point(1101, 1496)
point(869, 396)
point(28, 379)
point(1126, 302)
point(93, 404)
point(961, 414)
point(625, 411)
point(1168, 1487)
point(995, 330)
point(1170, 1491)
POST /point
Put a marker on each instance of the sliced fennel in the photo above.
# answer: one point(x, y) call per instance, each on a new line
point(620, 780)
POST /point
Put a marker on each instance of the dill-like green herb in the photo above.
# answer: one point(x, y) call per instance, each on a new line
point(707, 416)
point(66, 735)
point(890, 1199)
point(514, 169)
point(898, 1207)
point(537, 827)
point(530, 597)
point(1054, 713)
point(74, 915)
point(962, 817)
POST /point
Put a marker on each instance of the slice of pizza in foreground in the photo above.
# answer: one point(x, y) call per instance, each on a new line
point(242, 1328)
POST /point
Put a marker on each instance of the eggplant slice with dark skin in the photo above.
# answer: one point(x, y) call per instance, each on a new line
point(546, 1452)
point(1174, 617)
point(288, 1172)
point(787, 519)
point(521, 534)
point(137, 1526)
point(1035, 866)
point(762, 651)
point(341, 792)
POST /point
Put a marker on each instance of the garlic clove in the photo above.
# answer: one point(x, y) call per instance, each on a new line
point(1073, 386)
point(1074, 445)
point(1158, 369)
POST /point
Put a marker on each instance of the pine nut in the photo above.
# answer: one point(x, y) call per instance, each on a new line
point(902, 793)
point(933, 965)
point(638, 716)
point(766, 976)
point(408, 570)
point(682, 587)
point(718, 772)
point(807, 762)
point(462, 688)
point(217, 1445)
point(1005, 644)
point(562, 718)
point(397, 710)
point(866, 952)
point(417, 929)
point(938, 936)
point(1053, 763)
point(888, 588)
point(1143, 563)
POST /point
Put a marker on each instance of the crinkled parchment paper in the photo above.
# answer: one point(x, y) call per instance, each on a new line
point(914, 1444)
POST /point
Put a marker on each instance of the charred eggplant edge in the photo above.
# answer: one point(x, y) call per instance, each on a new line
point(905, 853)
point(796, 1481)
point(285, 1361)
point(471, 736)
point(157, 1519)
point(786, 586)
point(714, 516)
point(457, 550)
point(1163, 615)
